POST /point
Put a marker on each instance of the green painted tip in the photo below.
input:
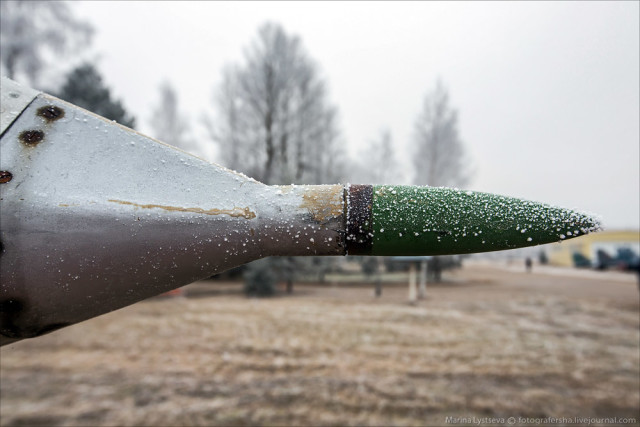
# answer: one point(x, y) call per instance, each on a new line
point(408, 220)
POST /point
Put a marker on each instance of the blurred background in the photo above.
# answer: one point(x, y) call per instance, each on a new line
point(533, 100)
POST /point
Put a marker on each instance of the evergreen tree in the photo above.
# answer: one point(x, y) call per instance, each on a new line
point(84, 87)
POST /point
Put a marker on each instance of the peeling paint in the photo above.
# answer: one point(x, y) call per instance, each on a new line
point(324, 202)
point(235, 212)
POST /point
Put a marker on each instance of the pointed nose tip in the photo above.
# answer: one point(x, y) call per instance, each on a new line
point(573, 223)
point(410, 220)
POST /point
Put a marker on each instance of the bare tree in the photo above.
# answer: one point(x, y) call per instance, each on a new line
point(30, 29)
point(168, 123)
point(226, 129)
point(439, 153)
point(274, 121)
point(378, 164)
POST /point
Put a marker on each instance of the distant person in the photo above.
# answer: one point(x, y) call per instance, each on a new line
point(528, 264)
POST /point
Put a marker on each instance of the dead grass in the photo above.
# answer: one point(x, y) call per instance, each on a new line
point(489, 344)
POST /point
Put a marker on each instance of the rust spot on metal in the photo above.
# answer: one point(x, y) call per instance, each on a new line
point(324, 202)
point(235, 212)
point(31, 137)
point(5, 176)
point(50, 113)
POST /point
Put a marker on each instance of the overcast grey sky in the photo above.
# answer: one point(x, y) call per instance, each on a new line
point(547, 93)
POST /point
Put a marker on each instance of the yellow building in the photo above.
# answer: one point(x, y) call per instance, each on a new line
point(562, 254)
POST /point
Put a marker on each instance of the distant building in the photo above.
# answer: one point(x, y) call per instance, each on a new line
point(583, 251)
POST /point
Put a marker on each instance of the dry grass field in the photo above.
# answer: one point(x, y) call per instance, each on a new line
point(486, 343)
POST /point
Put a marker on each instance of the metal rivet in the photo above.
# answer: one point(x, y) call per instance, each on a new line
point(50, 113)
point(5, 176)
point(31, 137)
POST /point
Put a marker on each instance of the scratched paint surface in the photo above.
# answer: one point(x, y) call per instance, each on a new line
point(324, 202)
point(235, 212)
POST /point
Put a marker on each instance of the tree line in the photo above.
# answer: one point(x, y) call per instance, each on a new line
point(273, 117)
point(273, 121)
